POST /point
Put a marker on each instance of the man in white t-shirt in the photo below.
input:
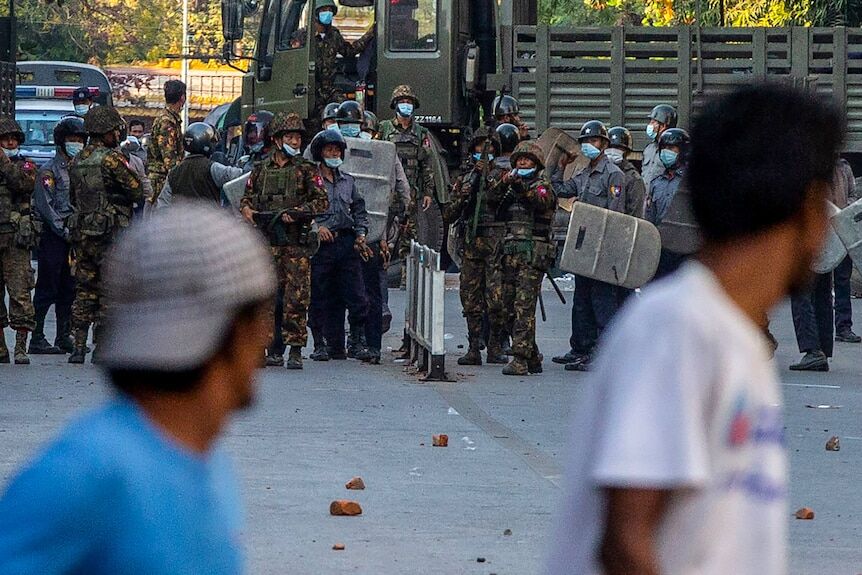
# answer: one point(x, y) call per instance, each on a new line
point(677, 461)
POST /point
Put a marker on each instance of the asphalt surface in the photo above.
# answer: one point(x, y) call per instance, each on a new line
point(440, 510)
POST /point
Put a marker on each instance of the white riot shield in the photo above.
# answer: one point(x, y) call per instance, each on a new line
point(610, 247)
point(372, 163)
point(834, 250)
point(234, 190)
point(679, 230)
point(848, 226)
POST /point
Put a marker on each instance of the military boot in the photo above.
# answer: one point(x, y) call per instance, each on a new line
point(473, 355)
point(38, 343)
point(273, 359)
point(534, 364)
point(21, 348)
point(4, 351)
point(64, 339)
point(518, 366)
point(79, 354)
point(357, 347)
point(294, 358)
point(373, 356)
point(495, 349)
point(320, 352)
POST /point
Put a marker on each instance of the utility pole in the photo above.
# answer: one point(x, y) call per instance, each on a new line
point(185, 62)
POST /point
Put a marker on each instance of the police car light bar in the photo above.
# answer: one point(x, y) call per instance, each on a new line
point(58, 92)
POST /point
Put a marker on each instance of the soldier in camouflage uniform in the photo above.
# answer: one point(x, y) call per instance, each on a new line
point(527, 203)
point(413, 142)
point(285, 181)
point(474, 206)
point(103, 190)
point(166, 138)
point(17, 237)
point(329, 44)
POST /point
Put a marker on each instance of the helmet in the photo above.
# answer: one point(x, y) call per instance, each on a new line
point(323, 139)
point(481, 136)
point(529, 150)
point(350, 112)
point(102, 119)
point(330, 112)
point(504, 105)
point(200, 138)
point(593, 129)
point(81, 94)
point(370, 122)
point(508, 136)
point(321, 4)
point(620, 137)
point(10, 126)
point(255, 130)
point(664, 114)
point(403, 91)
point(68, 126)
point(283, 123)
point(674, 137)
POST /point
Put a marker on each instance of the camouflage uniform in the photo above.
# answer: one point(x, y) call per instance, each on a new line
point(17, 237)
point(414, 150)
point(297, 186)
point(481, 276)
point(528, 253)
point(328, 48)
point(166, 147)
point(103, 190)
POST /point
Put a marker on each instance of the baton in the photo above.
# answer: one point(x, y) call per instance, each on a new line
point(556, 288)
point(542, 306)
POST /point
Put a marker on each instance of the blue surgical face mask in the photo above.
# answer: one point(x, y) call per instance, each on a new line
point(650, 132)
point(289, 150)
point(525, 172)
point(668, 158)
point(10, 153)
point(73, 148)
point(590, 151)
point(365, 136)
point(81, 109)
point(349, 130)
point(333, 162)
point(256, 148)
point(333, 126)
point(325, 17)
point(405, 109)
point(477, 156)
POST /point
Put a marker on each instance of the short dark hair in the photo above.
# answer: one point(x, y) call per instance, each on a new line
point(134, 381)
point(754, 155)
point(133, 123)
point(174, 90)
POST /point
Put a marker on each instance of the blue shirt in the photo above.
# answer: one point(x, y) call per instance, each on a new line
point(661, 193)
point(113, 494)
point(346, 206)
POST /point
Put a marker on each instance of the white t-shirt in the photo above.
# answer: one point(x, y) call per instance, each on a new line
point(684, 397)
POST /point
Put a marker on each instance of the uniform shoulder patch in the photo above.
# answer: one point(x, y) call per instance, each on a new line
point(616, 191)
point(47, 180)
point(318, 180)
point(542, 191)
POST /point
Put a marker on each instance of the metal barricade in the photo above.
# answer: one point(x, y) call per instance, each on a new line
point(424, 313)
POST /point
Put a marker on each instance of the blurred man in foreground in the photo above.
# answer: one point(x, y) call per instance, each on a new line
point(141, 485)
point(678, 461)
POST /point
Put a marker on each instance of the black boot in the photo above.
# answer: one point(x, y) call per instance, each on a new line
point(38, 344)
point(64, 339)
point(79, 354)
point(357, 347)
point(294, 359)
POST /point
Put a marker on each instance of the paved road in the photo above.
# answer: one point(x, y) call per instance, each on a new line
point(436, 511)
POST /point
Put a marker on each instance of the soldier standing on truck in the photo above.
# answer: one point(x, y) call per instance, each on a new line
point(413, 142)
point(103, 190)
point(661, 118)
point(285, 181)
point(166, 137)
point(17, 237)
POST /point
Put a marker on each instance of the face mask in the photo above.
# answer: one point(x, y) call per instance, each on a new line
point(668, 158)
point(525, 172)
point(132, 144)
point(477, 156)
point(333, 162)
point(73, 148)
point(615, 155)
point(325, 17)
point(81, 109)
point(590, 151)
point(333, 127)
point(10, 153)
point(405, 109)
point(350, 130)
point(650, 132)
point(365, 136)
point(290, 151)
point(256, 148)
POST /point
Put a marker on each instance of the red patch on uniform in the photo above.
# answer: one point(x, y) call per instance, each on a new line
point(426, 142)
point(542, 191)
point(48, 181)
point(249, 183)
point(318, 180)
point(28, 165)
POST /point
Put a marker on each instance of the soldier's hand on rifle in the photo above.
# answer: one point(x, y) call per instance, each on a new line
point(426, 203)
point(324, 235)
point(480, 166)
point(248, 214)
point(362, 248)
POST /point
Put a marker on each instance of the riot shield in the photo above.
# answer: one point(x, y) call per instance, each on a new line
point(610, 247)
point(372, 163)
point(235, 189)
point(848, 226)
point(554, 142)
point(679, 230)
point(834, 250)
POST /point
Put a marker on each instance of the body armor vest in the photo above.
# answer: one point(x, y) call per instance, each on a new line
point(279, 189)
point(93, 210)
point(407, 145)
point(192, 179)
point(5, 205)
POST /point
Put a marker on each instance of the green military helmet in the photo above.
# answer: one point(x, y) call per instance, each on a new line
point(321, 4)
point(283, 123)
point(529, 150)
point(10, 126)
point(102, 119)
point(403, 91)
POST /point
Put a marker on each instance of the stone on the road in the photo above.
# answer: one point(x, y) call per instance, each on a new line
point(355, 483)
point(805, 513)
point(338, 547)
point(441, 440)
point(344, 507)
point(834, 444)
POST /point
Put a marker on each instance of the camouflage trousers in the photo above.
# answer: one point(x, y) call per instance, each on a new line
point(293, 269)
point(87, 307)
point(521, 285)
point(409, 232)
point(16, 278)
point(482, 287)
point(157, 181)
